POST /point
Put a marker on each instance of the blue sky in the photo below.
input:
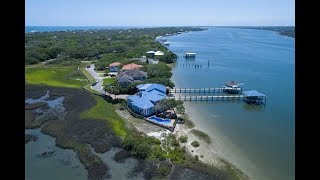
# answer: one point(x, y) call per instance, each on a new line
point(158, 13)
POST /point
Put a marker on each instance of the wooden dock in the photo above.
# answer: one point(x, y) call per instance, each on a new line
point(208, 98)
point(195, 90)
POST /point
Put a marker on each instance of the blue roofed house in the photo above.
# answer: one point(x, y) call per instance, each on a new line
point(144, 102)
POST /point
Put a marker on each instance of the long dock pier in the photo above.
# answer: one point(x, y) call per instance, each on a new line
point(195, 90)
point(208, 98)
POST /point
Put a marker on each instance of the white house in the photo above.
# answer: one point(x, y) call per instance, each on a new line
point(158, 53)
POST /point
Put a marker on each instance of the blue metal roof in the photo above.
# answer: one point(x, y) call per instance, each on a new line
point(151, 94)
point(154, 95)
point(253, 93)
point(143, 103)
point(149, 87)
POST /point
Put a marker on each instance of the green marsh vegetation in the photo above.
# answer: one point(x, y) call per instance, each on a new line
point(56, 76)
point(202, 135)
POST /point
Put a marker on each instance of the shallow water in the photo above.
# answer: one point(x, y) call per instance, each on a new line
point(62, 164)
point(118, 170)
point(51, 103)
point(259, 139)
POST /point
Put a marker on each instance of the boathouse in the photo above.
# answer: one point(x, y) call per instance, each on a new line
point(254, 97)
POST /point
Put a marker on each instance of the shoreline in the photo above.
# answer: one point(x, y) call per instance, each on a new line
point(212, 153)
point(221, 144)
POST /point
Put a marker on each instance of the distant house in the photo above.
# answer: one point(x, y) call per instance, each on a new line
point(114, 67)
point(130, 76)
point(131, 66)
point(145, 101)
point(150, 53)
point(159, 53)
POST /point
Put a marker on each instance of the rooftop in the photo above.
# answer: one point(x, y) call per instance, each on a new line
point(149, 87)
point(131, 66)
point(114, 64)
point(253, 93)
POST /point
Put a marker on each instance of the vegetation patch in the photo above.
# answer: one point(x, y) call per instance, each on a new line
point(57, 76)
point(107, 81)
point(87, 75)
point(195, 144)
point(105, 111)
point(202, 135)
point(30, 137)
point(187, 121)
point(183, 139)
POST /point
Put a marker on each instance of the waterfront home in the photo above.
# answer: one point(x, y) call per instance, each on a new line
point(114, 67)
point(130, 76)
point(131, 66)
point(150, 53)
point(146, 60)
point(145, 100)
point(159, 53)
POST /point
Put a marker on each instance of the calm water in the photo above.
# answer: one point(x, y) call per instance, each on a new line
point(62, 164)
point(260, 140)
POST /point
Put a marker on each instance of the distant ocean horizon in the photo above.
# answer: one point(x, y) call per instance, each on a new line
point(73, 28)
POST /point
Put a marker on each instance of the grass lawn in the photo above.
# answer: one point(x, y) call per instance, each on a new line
point(88, 75)
point(105, 111)
point(88, 87)
point(58, 76)
point(108, 80)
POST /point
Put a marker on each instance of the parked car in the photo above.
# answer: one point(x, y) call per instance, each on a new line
point(89, 66)
point(93, 84)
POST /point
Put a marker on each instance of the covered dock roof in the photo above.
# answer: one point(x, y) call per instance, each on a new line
point(253, 93)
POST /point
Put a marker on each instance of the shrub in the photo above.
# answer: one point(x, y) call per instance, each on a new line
point(183, 139)
point(201, 135)
point(196, 157)
point(195, 144)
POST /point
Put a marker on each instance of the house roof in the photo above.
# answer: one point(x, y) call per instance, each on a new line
point(253, 93)
point(125, 78)
point(146, 98)
point(143, 103)
point(154, 95)
point(132, 73)
point(131, 66)
point(149, 87)
point(159, 53)
point(114, 64)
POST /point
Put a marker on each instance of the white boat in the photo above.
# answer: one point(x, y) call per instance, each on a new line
point(190, 55)
point(166, 43)
point(231, 88)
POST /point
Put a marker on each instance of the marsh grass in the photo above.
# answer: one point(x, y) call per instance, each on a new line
point(201, 135)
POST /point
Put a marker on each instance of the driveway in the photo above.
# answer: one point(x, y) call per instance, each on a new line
point(98, 87)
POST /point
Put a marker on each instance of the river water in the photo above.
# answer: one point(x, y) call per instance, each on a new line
point(260, 140)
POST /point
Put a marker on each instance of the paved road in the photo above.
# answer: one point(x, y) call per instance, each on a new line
point(98, 87)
